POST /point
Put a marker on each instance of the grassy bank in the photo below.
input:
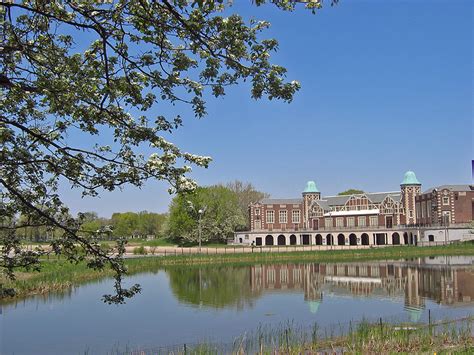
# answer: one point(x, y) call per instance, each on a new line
point(58, 274)
point(269, 255)
point(452, 337)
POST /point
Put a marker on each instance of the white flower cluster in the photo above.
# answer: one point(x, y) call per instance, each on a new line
point(197, 159)
point(185, 184)
point(154, 162)
point(163, 144)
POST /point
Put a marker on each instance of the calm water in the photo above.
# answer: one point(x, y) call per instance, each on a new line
point(191, 304)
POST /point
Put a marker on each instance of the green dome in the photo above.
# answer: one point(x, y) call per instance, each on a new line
point(310, 187)
point(410, 179)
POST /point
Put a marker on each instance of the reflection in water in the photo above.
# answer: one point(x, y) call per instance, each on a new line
point(212, 286)
point(414, 280)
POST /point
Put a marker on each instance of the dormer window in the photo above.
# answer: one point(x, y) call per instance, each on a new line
point(445, 200)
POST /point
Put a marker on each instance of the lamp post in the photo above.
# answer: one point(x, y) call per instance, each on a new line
point(200, 212)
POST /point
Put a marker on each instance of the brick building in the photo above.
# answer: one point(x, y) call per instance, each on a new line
point(377, 218)
point(445, 205)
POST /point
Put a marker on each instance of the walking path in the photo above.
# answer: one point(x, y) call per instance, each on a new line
point(239, 249)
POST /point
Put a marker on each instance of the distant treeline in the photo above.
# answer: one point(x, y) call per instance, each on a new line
point(224, 209)
point(127, 224)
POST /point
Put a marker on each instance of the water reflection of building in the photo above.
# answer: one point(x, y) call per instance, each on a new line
point(415, 282)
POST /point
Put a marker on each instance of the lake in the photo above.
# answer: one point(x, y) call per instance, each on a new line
point(190, 304)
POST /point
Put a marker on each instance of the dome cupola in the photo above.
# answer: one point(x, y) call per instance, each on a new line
point(310, 188)
point(410, 179)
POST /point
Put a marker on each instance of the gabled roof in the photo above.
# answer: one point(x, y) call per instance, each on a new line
point(337, 200)
point(281, 201)
point(323, 204)
point(459, 188)
point(374, 197)
point(377, 197)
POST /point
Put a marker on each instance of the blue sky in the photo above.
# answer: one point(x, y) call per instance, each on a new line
point(386, 87)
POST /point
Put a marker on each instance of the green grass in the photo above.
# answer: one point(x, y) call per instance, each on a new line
point(266, 255)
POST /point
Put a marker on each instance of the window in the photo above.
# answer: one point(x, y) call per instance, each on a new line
point(431, 238)
point(328, 222)
point(283, 217)
point(295, 216)
point(361, 221)
point(411, 213)
point(350, 221)
point(446, 218)
point(445, 200)
point(374, 221)
point(270, 216)
point(339, 222)
point(257, 211)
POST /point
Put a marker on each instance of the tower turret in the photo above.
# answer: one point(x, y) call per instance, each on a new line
point(310, 193)
point(410, 187)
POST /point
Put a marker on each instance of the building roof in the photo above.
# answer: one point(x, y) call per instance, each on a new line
point(337, 200)
point(281, 201)
point(375, 197)
point(324, 204)
point(328, 201)
point(311, 187)
point(459, 188)
point(410, 179)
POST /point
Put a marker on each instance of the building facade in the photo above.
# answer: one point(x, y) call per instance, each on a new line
point(378, 218)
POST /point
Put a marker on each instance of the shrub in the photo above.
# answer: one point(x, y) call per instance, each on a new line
point(141, 250)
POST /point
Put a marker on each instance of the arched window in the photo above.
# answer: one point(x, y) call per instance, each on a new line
point(365, 239)
point(269, 240)
point(341, 240)
point(292, 239)
point(281, 240)
point(319, 239)
point(395, 239)
point(352, 239)
point(329, 239)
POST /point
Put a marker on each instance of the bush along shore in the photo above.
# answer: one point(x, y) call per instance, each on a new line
point(58, 275)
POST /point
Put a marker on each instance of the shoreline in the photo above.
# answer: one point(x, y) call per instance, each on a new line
point(58, 275)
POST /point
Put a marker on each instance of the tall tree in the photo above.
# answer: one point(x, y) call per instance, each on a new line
point(221, 215)
point(98, 70)
point(246, 194)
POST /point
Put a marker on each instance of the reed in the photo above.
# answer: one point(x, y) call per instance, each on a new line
point(452, 336)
